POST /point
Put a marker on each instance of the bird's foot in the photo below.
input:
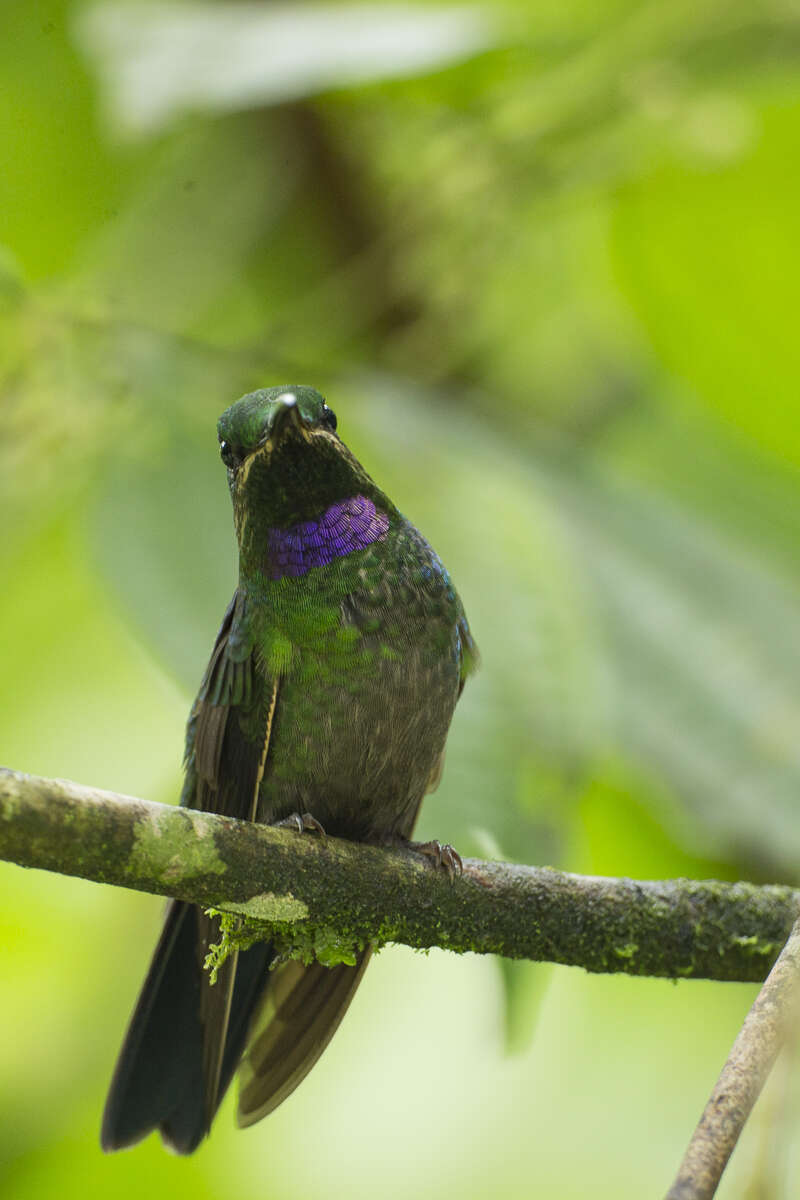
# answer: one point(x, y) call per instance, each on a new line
point(443, 856)
point(302, 822)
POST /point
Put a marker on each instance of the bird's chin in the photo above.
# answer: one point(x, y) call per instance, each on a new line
point(296, 439)
point(288, 439)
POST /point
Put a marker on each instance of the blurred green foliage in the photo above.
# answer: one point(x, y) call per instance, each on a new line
point(543, 260)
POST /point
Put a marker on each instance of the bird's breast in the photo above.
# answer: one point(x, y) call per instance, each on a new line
point(364, 705)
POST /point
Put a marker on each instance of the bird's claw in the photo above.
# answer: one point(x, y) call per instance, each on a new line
point(443, 856)
point(302, 823)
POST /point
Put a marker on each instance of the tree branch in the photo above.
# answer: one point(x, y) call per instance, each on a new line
point(317, 890)
point(773, 1016)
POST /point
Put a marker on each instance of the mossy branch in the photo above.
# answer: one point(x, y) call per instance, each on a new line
point(326, 896)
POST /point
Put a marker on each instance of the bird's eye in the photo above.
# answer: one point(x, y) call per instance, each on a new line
point(229, 456)
point(328, 418)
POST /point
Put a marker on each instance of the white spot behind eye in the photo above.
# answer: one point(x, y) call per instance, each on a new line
point(287, 398)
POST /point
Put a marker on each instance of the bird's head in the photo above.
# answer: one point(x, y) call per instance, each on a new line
point(261, 421)
point(286, 463)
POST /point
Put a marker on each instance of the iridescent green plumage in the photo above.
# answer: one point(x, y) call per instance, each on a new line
point(330, 691)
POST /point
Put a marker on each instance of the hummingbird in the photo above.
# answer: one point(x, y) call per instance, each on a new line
point(325, 706)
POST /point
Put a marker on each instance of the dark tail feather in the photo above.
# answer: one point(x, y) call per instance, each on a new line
point(252, 973)
point(158, 1077)
point(299, 1014)
point(158, 1082)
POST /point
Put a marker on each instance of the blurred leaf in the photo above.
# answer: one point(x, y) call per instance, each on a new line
point(705, 657)
point(70, 1165)
point(78, 396)
point(631, 825)
point(671, 445)
point(161, 60)
point(113, 720)
point(184, 238)
point(60, 182)
point(524, 985)
point(164, 540)
point(710, 261)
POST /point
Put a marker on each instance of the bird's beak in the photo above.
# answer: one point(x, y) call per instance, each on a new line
point(285, 418)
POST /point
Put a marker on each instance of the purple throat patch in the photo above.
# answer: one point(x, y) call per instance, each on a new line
point(346, 526)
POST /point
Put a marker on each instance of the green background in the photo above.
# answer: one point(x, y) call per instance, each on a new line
point(545, 269)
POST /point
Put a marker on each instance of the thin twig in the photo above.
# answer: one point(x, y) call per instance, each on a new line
point(774, 1013)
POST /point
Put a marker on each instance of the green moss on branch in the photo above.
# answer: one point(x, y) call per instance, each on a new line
point(325, 897)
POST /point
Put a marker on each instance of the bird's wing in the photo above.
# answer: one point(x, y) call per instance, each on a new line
point(468, 656)
point(186, 1036)
point(227, 747)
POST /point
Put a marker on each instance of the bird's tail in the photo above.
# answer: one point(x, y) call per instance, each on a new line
point(297, 1017)
point(186, 1038)
point(160, 1081)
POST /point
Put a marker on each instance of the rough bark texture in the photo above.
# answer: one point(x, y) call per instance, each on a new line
point(325, 895)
